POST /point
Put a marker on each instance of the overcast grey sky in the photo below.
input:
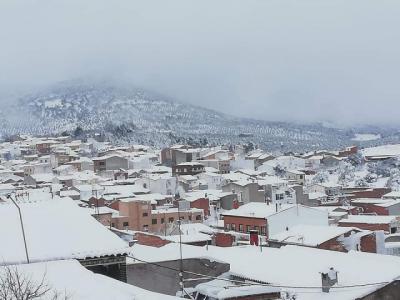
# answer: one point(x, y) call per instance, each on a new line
point(300, 60)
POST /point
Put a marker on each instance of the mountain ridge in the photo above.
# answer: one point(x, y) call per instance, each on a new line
point(129, 114)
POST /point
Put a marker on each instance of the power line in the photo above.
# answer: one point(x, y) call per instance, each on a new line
point(238, 282)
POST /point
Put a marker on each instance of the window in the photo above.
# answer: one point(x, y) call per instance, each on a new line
point(162, 220)
point(198, 217)
point(263, 231)
point(279, 196)
point(170, 220)
point(145, 214)
point(102, 163)
point(256, 228)
point(154, 221)
point(393, 230)
point(146, 227)
point(227, 226)
point(190, 218)
point(233, 227)
point(125, 224)
point(201, 297)
point(240, 227)
point(248, 227)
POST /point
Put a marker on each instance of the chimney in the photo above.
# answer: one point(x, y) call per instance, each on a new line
point(329, 279)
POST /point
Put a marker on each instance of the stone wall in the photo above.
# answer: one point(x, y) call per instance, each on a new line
point(165, 279)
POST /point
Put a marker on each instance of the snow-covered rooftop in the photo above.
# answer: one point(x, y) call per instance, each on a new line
point(297, 172)
point(316, 195)
point(196, 228)
point(377, 201)
point(152, 198)
point(126, 190)
point(392, 194)
point(310, 235)
point(271, 180)
point(188, 238)
point(219, 289)
point(6, 186)
point(371, 200)
point(187, 177)
point(43, 177)
point(54, 229)
point(165, 210)
point(329, 184)
point(69, 193)
point(70, 278)
point(292, 266)
point(212, 195)
point(385, 150)
point(165, 253)
point(256, 210)
point(368, 219)
point(191, 164)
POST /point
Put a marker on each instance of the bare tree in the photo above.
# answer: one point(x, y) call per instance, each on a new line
point(15, 285)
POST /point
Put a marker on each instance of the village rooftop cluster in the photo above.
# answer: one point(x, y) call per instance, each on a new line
point(94, 220)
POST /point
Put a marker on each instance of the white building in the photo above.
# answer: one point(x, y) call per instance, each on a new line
point(278, 218)
point(163, 184)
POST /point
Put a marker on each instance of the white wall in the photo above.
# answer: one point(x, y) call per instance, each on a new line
point(297, 215)
point(241, 163)
point(213, 182)
point(164, 186)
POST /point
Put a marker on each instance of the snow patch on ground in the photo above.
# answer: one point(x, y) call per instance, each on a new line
point(53, 103)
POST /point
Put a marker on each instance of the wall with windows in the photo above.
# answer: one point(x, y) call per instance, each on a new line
point(243, 224)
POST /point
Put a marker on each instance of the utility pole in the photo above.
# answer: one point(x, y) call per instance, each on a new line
point(165, 224)
point(180, 253)
point(22, 226)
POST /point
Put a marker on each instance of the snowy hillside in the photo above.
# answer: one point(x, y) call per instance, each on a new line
point(134, 115)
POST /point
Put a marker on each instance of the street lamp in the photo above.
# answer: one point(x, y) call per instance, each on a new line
point(22, 226)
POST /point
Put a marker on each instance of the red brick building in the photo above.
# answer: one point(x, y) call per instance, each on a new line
point(245, 224)
point(224, 239)
point(367, 243)
point(139, 215)
point(342, 239)
point(271, 219)
point(151, 240)
point(348, 151)
point(201, 203)
point(380, 207)
point(362, 192)
point(389, 224)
